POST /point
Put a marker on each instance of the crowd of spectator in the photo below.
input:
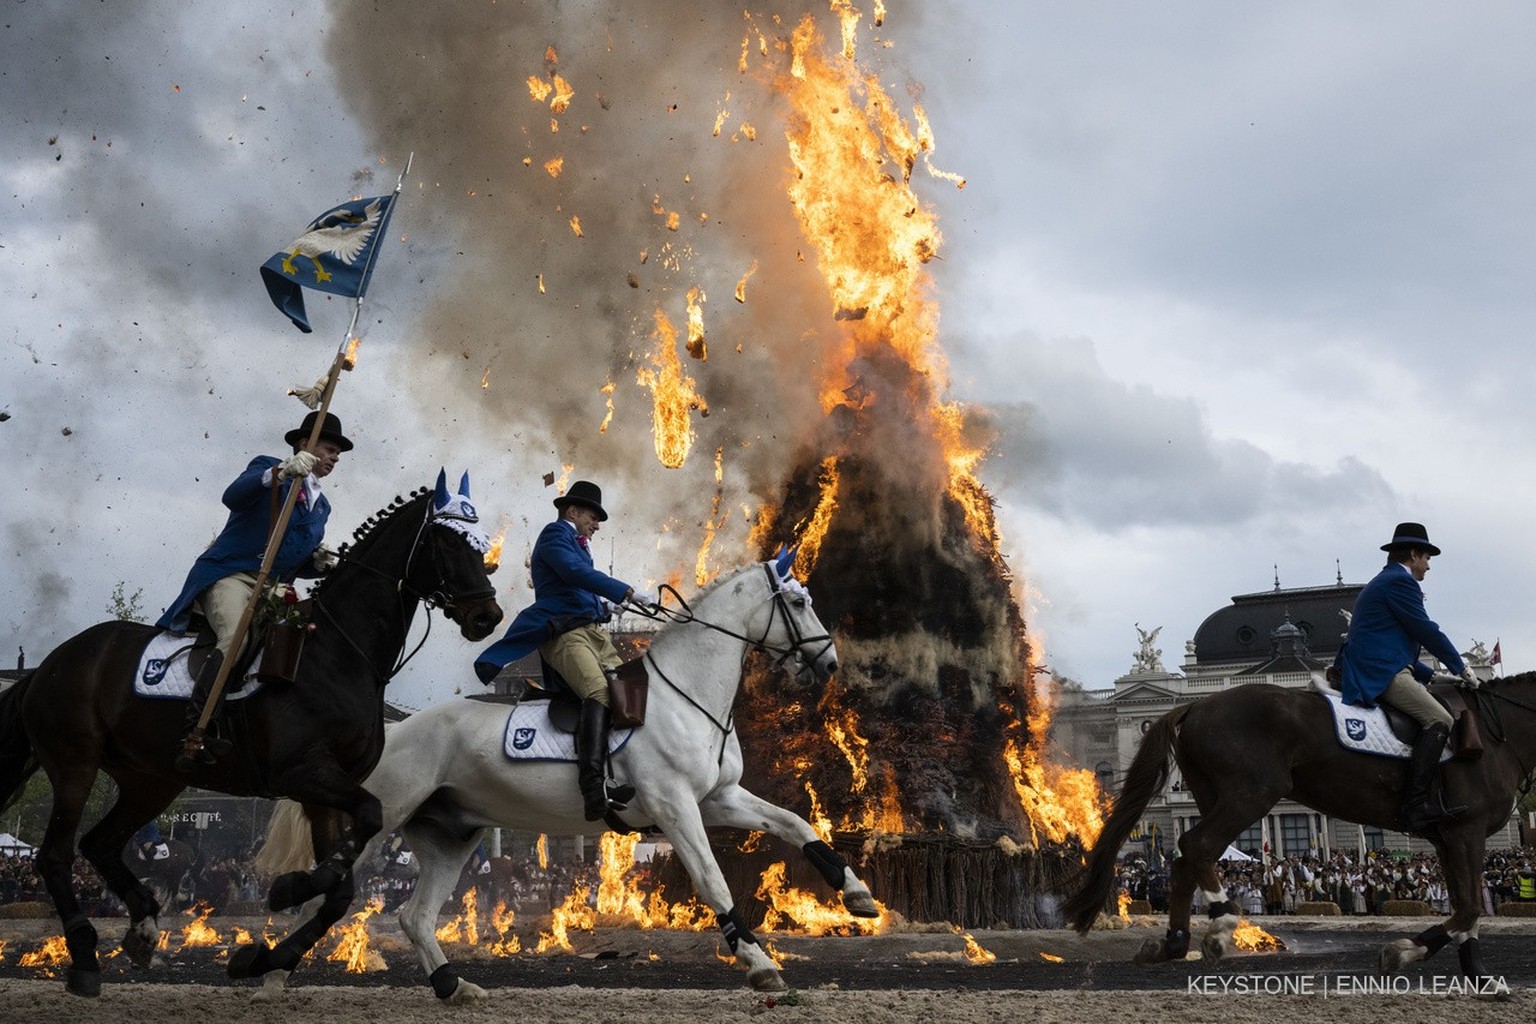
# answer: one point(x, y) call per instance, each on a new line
point(1357, 885)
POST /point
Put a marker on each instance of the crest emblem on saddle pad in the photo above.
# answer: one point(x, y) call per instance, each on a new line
point(154, 671)
point(1355, 728)
point(522, 738)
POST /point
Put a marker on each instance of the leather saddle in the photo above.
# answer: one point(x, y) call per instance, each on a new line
point(628, 688)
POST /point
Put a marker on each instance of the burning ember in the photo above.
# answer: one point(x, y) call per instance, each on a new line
point(1251, 937)
point(1051, 958)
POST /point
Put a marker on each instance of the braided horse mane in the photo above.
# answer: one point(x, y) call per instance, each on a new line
point(366, 533)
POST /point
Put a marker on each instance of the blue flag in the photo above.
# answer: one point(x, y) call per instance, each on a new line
point(334, 254)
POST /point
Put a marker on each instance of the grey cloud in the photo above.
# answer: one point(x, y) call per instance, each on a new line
point(1090, 449)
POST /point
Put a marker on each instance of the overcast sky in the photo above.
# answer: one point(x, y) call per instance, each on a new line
point(1241, 286)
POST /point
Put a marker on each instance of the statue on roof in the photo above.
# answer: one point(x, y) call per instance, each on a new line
point(1478, 655)
point(1148, 658)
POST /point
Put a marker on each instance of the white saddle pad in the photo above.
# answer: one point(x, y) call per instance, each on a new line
point(1366, 730)
point(163, 669)
point(530, 736)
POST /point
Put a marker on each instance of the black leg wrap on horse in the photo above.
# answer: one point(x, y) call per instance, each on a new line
point(1178, 943)
point(80, 937)
point(444, 981)
point(1432, 939)
point(1471, 958)
point(1223, 908)
point(735, 929)
point(826, 860)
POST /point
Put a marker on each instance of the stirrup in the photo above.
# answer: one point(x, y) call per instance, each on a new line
point(619, 794)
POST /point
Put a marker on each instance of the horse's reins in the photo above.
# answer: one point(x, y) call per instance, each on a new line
point(686, 615)
point(1488, 713)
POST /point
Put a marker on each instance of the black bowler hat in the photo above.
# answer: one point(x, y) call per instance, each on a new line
point(331, 432)
point(1410, 535)
point(586, 494)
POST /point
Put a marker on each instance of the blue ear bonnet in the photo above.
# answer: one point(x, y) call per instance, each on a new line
point(784, 561)
point(457, 513)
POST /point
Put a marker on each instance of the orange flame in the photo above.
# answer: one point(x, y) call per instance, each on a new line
point(506, 943)
point(1123, 904)
point(542, 847)
point(974, 951)
point(1052, 958)
point(741, 286)
point(52, 953)
point(1251, 937)
point(198, 932)
point(464, 927)
point(696, 346)
point(821, 518)
point(554, 165)
point(787, 905)
point(349, 360)
point(485, 380)
point(493, 553)
point(674, 397)
point(607, 390)
point(576, 226)
point(354, 948)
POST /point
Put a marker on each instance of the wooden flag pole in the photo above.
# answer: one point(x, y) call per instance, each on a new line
point(193, 744)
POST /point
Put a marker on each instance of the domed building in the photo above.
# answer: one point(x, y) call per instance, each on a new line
point(1281, 636)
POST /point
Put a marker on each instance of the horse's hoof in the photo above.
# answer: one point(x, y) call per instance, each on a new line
point(273, 984)
point(138, 944)
point(290, 890)
point(1153, 951)
point(248, 961)
point(467, 993)
point(83, 983)
point(767, 979)
point(1398, 954)
point(1212, 949)
point(860, 904)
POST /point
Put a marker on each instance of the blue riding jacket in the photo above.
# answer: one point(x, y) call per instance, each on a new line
point(566, 588)
point(1388, 629)
point(240, 545)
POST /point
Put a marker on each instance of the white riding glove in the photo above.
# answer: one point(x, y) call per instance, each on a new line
point(1469, 679)
point(299, 464)
point(642, 598)
point(324, 559)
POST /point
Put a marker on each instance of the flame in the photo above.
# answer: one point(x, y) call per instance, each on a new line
point(701, 572)
point(674, 397)
point(485, 380)
point(198, 933)
point(541, 284)
point(786, 904)
point(1051, 958)
point(1123, 903)
point(52, 953)
point(241, 937)
point(574, 913)
point(1251, 937)
point(576, 226)
point(1057, 800)
point(607, 390)
point(538, 89)
point(563, 95)
point(974, 951)
point(811, 536)
point(554, 165)
point(349, 360)
point(353, 949)
point(506, 943)
point(817, 817)
point(463, 927)
point(741, 286)
point(493, 553)
point(542, 846)
point(696, 347)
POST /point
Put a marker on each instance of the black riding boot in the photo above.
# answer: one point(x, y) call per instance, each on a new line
point(1423, 808)
point(214, 747)
point(600, 793)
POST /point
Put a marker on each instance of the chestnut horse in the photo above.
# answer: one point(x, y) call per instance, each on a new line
point(1243, 750)
point(312, 740)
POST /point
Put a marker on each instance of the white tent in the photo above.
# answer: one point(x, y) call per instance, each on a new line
point(9, 844)
point(1233, 853)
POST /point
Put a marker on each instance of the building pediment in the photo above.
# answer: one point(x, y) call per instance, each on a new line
point(1147, 689)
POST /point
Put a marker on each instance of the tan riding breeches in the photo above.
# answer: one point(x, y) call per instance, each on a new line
point(1409, 696)
point(222, 604)
point(582, 655)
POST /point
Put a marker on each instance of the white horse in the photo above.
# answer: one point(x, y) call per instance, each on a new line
point(443, 777)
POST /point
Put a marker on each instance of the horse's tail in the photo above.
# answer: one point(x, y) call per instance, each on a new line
point(17, 759)
point(1148, 773)
point(288, 846)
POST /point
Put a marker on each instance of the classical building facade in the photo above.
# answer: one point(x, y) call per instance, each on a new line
point(1279, 636)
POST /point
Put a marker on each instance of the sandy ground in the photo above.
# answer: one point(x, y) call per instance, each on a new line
point(925, 979)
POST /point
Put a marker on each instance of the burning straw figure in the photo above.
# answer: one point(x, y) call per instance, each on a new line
point(220, 583)
point(571, 597)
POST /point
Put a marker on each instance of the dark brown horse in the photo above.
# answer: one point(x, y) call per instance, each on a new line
point(1243, 750)
point(313, 740)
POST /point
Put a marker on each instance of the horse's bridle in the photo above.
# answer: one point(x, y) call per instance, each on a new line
point(779, 595)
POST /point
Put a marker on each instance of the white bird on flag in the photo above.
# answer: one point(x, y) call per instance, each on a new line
point(344, 242)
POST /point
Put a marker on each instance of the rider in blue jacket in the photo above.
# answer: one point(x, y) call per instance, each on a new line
point(571, 599)
point(1380, 662)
